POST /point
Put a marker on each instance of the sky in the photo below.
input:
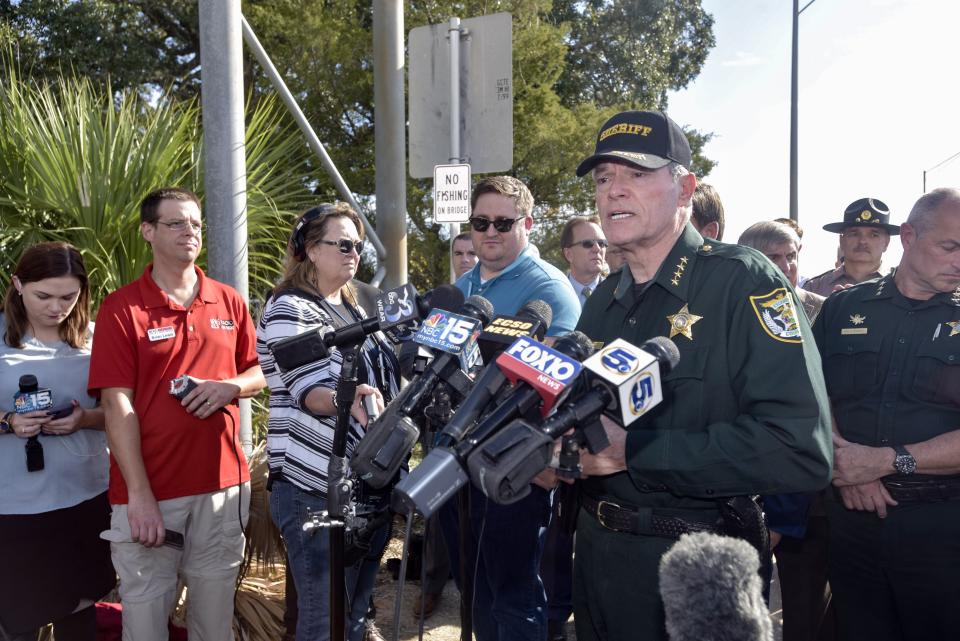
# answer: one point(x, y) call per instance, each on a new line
point(878, 104)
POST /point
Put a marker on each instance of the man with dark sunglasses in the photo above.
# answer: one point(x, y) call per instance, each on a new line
point(584, 249)
point(509, 600)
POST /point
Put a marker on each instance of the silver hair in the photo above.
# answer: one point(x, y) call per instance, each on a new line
point(924, 211)
point(677, 171)
point(764, 234)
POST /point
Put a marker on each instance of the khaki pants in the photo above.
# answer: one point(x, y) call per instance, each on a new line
point(209, 562)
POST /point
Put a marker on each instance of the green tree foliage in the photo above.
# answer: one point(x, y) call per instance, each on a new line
point(132, 44)
point(75, 162)
point(576, 62)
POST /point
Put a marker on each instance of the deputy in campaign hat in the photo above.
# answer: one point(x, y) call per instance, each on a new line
point(648, 139)
point(865, 212)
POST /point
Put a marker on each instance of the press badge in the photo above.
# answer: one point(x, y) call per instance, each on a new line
point(160, 333)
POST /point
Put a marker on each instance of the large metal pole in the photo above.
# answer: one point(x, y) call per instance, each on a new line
point(390, 138)
point(224, 157)
point(453, 35)
point(794, 214)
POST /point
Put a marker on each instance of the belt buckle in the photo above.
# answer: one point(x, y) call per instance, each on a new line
point(600, 513)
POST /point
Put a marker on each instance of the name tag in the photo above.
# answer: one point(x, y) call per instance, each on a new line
point(160, 333)
point(853, 330)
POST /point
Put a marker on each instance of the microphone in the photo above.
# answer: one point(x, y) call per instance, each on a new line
point(397, 310)
point(712, 591)
point(532, 320)
point(624, 384)
point(542, 375)
point(30, 398)
point(624, 381)
point(387, 441)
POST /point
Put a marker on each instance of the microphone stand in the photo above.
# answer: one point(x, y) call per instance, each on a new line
point(339, 512)
point(439, 412)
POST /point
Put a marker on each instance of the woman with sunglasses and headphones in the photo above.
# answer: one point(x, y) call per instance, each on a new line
point(54, 460)
point(315, 294)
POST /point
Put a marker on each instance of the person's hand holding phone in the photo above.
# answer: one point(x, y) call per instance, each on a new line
point(64, 421)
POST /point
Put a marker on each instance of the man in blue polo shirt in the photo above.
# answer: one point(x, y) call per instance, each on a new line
point(510, 272)
point(509, 602)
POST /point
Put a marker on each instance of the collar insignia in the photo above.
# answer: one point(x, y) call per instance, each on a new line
point(682, 322)
point(678, 274)
point(883, 281)
point(954, 328)
point(857, 319)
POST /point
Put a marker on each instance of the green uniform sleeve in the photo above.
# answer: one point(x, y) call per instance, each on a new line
point(777, 438)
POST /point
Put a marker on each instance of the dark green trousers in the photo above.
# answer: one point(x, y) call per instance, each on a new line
point(898, 578)
point(616, 593)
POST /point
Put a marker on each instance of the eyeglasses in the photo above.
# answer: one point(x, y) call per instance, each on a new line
point(502, 225)
point(180, 225)
point(590, 242)
point(344, 245)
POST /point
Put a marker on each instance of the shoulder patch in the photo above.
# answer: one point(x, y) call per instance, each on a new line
point(777, 315)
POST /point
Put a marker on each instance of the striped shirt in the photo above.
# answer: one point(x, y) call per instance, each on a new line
point(299, 443)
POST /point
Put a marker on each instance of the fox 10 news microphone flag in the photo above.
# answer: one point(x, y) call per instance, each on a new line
point(390, 438)
point(542, 376)
point(398, 311)
point(623, 383)
point(532, 320)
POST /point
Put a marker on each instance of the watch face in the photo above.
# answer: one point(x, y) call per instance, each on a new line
point(905, 464)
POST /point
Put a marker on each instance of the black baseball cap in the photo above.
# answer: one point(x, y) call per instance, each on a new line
point(865, 212)
point(648, 139)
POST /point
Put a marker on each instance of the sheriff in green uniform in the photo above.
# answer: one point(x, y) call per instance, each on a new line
point(745, 411)
point(891, 358)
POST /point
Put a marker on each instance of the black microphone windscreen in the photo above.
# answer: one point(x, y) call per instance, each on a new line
point(480, 307)
point(712, 591)
point(539, 310)
point(666, 352)
point(576, 345)
point(446, 297)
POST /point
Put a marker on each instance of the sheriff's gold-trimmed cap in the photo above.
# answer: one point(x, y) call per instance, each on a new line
point(648, 139)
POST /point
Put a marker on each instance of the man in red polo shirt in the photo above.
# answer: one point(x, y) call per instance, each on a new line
point(179, 484)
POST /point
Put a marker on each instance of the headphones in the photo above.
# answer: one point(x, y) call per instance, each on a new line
point(298, 238)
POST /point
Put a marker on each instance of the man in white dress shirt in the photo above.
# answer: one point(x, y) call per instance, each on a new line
point(584, 248)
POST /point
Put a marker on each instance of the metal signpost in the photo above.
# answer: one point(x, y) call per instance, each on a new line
point(461, 100)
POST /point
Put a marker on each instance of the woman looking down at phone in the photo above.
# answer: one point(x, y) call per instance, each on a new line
point(53, 453)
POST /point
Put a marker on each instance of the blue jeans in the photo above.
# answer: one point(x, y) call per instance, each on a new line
point(509, 603)
point(309, 555)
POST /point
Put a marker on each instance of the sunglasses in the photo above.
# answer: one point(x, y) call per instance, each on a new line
point(590, 242)
point(502, 225)
point(344, 245)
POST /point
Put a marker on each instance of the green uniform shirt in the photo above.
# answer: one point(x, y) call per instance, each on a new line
point(892, 365)
point(745, 411)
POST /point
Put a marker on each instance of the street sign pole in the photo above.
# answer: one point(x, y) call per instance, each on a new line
point(453, 34)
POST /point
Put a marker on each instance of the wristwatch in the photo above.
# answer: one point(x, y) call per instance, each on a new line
point(5, 426)
point(903, 462)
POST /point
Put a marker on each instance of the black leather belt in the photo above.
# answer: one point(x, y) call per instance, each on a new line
point(641, 520)
point(925, 491)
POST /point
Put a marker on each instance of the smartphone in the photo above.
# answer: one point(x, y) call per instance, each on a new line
point(370, 406)
point(173, 539)
point(60, 413)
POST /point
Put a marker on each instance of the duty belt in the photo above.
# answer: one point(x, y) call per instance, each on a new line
point(923, 491)
point(641, 520)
